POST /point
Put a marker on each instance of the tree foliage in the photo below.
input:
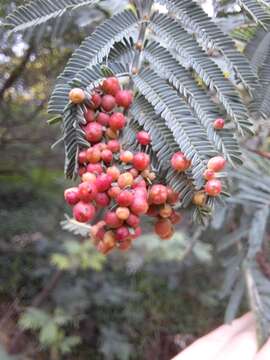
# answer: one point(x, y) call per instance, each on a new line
point(174, 51)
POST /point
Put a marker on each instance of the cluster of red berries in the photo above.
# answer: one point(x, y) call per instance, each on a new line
point(119, 182)
point(213, 186)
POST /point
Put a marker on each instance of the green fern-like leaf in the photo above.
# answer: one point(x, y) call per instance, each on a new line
point(180, 40)
point(97, 46)
point(167, 66)
point(164, 146)
point(192, 16)
point(254, 9)
point(74, 138)
point(75, 227)
point(188, 134)
point(39, 12)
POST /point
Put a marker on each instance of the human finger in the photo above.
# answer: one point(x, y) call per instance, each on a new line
point(207, 347)
point(264, 353)
point(241, 346)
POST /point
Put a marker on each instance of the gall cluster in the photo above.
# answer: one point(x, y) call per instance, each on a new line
point(117, 186)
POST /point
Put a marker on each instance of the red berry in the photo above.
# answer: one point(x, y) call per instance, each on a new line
point(122, 233)
point(175, 217)
point(117, 121)
point(89, 177)
point(113, 145)
point(216, 163)
point(173, 196)
point(219, 124)
point(103, 248)
point(89, 115)
point(114, 191)
point(93, 155)
point(125, 180)
point(82, 157)
point(114, 172)
point(112, 220)
point(111, 85)
point(107, 156)
point(77, 96)
point(163, 227)
point(111, 134)
point(83, 212)
point(122, 213)
point(133, 220)
point(141, 192)
point(139, 183)
point(124, 98)
point(87, 191)
point(169, 235)
point(179, 162)
point(102, 199)
point(125, 198)
point(209, 174)
point(139, 206)
point(108, 103)
point(158, 194)
point(71, 195)
point(93, 132)
point(100, 233)
point(166, 211)
point(126, 157)
point(94, 169)
point(95, 231)
point(143, 138)
point(95, 100)
point(213, 187)
point(141, 161)
point(103, 119)
point(100, 146)
point(103, 182)
point(109, 239)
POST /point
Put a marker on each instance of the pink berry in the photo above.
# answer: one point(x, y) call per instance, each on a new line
point(219, 124)
point(143, 138)
point(93, 132)
point(102, 199)
point(117, 121)
point(83, 212)
point(103, 182)
point(89, 115)
point(111, 86)
point(103, 119)
point(179, 162)
point(216, 163)
point(124, 98)
point(125, 198)
point(213, 187)
point(94, 169)
point(87, 191)
point(71, 195)
point(141, 161)
point(108, 103)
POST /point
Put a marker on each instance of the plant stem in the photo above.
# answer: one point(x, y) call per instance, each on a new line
point(144, 10)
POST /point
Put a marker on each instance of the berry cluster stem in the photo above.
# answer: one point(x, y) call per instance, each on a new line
point(144, 10)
